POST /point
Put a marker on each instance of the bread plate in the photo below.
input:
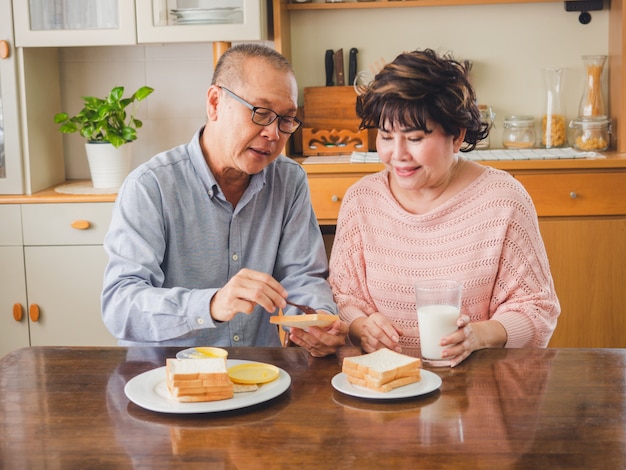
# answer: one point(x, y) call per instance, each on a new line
point(429, 382)
point(304, 321)
point(149, 391)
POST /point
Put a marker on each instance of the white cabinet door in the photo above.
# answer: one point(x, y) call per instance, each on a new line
point(207, 20)
point(57, 23)
point(13, 333)
point(65, 282)
point(11, 176)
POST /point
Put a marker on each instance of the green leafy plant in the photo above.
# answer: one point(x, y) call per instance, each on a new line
point(105, 120)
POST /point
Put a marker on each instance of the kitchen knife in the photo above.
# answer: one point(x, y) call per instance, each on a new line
point(328, 67)
point(352, 66)
point(339, 68)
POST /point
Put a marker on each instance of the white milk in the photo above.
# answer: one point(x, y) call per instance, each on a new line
point(435, 322)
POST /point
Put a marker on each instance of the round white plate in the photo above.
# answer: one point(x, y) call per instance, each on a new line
point(428, 383)
point(149, 391)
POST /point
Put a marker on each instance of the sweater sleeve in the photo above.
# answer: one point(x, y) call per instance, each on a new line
point(524, 299)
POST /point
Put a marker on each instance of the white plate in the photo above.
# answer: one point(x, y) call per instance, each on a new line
point(428, 383)
point(149, 391)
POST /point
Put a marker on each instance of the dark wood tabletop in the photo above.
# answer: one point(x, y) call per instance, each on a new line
point(512, 408)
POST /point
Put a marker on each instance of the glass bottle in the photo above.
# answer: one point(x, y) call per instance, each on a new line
point(553, 132)
point(593, 101)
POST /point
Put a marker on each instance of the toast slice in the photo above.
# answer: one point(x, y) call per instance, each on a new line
point(387, 387)
point(304, 321)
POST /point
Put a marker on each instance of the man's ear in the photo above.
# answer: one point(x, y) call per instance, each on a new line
point(213, 98)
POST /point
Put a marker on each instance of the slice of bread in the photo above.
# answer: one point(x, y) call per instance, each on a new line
point(382, 370)
point(196, 380)
point(387, 387)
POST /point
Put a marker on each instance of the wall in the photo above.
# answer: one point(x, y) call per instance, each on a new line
point(508, 45)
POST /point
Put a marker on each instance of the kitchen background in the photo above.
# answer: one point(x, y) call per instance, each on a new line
point(509, 46)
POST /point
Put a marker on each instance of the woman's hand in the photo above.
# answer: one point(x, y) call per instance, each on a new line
point(375, 332)
point(471, 337)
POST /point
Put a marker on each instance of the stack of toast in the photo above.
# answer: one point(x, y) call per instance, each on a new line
point(382, 370)
point(197, 380)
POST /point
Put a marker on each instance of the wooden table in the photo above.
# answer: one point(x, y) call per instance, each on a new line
point(550, 408)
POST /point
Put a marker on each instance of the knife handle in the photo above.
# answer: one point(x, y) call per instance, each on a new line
point(328, 65)
point(352, 66)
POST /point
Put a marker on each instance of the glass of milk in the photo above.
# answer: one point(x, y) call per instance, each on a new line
point(438, 307)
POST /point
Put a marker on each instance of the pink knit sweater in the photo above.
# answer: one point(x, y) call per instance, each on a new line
point(486, 237)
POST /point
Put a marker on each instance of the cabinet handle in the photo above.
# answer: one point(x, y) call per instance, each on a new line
point(33, 313)
point(573, 195)
point(335, 198)
point(81, 224)
point(4, 49)
point(18, 312)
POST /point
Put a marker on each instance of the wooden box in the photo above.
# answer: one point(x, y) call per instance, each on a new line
point(331, 126)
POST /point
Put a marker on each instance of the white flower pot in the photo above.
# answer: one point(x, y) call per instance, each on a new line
point(108, 165)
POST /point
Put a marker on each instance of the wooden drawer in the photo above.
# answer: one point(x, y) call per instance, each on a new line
point(11, 223)
point(572, 194)
point(66, 224)
point(326, 195)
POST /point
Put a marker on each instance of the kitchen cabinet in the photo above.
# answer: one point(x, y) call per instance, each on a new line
point(247, 22)
point(61, 23)
point(46, 23)
point(51, 268)
point(10, 145)
point(581, 206)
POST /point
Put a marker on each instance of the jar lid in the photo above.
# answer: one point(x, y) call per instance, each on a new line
point(590, 122)
point(519, 121)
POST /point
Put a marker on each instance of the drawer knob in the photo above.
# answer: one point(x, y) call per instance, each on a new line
point(334, 198)
point(573, 195)
point(18, 312)
point(81, 224)
point(33, 313)
point(4, 49)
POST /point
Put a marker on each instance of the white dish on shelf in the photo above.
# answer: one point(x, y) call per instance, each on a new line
point(205, 14)
point(149, 391)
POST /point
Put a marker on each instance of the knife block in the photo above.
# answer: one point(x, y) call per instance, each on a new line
point(331, 126)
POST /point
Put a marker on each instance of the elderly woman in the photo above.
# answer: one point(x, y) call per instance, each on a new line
point(433, 214)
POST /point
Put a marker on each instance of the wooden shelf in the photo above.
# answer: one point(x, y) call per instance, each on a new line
point(351, 5)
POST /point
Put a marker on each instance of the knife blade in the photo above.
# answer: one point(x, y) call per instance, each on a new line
point(352, 66)
point(339, 68)
point(328, 67)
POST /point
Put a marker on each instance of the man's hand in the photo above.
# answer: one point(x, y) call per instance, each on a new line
point(318, 341)
point(244, 291)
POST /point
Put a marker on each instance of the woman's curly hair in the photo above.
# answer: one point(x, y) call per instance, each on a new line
point(420, 86)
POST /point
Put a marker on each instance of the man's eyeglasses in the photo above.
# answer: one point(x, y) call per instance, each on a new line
point(265, 116)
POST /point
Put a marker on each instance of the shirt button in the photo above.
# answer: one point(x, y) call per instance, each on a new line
point(200, 321)
point(236, 338)
point(235, 257)
point(210, 192)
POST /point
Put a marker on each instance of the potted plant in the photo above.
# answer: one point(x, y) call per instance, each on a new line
point(107, 126)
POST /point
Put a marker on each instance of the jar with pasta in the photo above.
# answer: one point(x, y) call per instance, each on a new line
point(593, 101)
point(590, 133)
point(553, 120)
point(519, 132)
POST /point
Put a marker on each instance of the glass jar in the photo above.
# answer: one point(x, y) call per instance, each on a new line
point(591, 133)
point(553, 121)
point(593, 101)
point(486, 117)
point(519, 132)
